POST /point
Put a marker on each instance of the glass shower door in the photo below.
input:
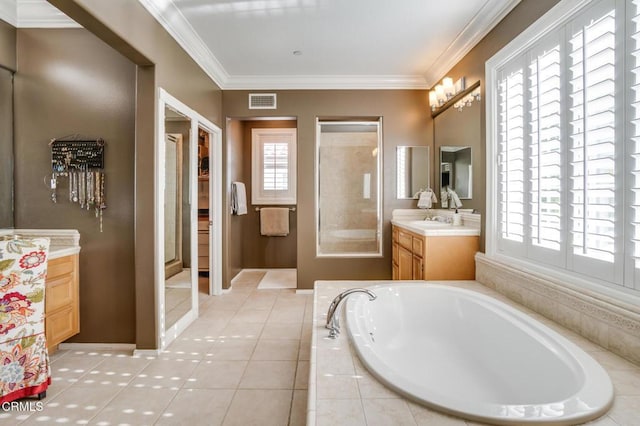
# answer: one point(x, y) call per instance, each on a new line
point(348, 197)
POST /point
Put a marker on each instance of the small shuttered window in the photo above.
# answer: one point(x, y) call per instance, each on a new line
point(273, 166)
point(565, 129)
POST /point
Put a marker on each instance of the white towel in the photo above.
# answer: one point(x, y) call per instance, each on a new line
point(238, 198)
point(426, 199)
point(455, 200)
point(274, 221)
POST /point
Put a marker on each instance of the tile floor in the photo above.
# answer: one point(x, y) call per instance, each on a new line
point(245, 361)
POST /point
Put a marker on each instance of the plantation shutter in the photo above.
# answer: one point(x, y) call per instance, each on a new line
point(275, 155)
point(545, 153)
point(592, 141)
point(633, 145)
point(511, 157)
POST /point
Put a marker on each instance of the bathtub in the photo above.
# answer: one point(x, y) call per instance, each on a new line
point(470, 355)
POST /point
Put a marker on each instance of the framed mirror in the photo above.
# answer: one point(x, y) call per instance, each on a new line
point(178, 264)
point(412, 171)
point(188, 188)
point(456, 170)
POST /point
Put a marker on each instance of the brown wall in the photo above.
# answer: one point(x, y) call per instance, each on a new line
point(7, 46)
point(406, 121)
point(130, 29)
point(70, 82)
point(233, 153)
point(259, 251)
point(472, 67)
point(7, 66)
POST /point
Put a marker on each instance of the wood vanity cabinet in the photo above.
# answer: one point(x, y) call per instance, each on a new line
point(419, 257)
point(62, 301)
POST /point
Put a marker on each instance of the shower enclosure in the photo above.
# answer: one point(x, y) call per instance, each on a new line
point(348, 198)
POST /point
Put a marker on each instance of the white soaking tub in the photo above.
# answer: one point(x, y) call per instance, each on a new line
point(471, 355)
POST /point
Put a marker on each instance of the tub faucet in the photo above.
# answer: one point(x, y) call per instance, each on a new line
point(333, 315)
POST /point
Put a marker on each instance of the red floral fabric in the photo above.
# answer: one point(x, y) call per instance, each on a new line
point(24, 361)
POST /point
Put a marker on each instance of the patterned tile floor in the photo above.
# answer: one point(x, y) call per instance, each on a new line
point(244, 361)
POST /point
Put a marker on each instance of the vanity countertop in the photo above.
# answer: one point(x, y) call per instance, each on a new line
point(430, 228)
point(63, 242)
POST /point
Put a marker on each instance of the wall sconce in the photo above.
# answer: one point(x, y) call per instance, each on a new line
point(450, 94)
point(444, 92)
point(467, 101)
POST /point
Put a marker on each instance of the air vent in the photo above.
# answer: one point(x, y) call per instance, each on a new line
point(262, 101)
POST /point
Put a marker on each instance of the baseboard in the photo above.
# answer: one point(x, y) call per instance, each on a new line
point(97, 347)
point(147, 353)
point(304, 291)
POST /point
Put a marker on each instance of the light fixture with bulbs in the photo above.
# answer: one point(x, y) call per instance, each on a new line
point(448, 93)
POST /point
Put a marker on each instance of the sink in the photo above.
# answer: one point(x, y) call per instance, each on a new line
point(429, 224)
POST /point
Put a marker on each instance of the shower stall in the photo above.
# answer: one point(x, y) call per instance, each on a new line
point(348, 188)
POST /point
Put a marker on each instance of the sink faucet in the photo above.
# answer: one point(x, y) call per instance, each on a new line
point(333, 315)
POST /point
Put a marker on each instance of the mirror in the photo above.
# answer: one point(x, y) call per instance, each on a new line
point(412, 169)
point(178, 276)
point(459, 162)
point(456, 171)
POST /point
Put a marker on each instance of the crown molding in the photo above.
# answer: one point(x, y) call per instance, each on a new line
point(41, 14)
point(174, 22)
point(325, 82)
point(9, 12)
point(482, 23)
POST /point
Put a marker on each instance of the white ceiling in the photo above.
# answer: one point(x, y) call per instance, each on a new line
point(249, 44)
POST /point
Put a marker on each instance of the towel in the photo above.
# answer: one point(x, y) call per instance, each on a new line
point(426, 199)
point(455, 200)
point(238, 198)
point(274, 221)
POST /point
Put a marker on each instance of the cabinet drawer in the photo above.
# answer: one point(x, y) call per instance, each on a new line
point(417, 246)
point(59, 292)
point(60, 266)
point(404, 240)
point(60, 325)
point(203, 262)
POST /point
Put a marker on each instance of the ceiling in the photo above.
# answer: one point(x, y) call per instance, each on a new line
point(321, 44)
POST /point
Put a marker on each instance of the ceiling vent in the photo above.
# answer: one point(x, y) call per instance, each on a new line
point(262, 101)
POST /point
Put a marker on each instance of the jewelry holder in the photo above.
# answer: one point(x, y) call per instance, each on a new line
point(81, 160)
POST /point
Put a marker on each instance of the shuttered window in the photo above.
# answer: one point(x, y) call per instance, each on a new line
point(545, 149)
point(511, 154)
point(273, 166)
point(275, 160)
point(565, 129)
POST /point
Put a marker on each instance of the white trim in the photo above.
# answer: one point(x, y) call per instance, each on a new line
point(260, 196)
point(174, 22)
point(97, 346)
point(165, 337)
point(324, 82)
point(555, 17)
point(618, 296)
point(9, 11)
point(147, 353)
point(40, 14)
point(482, 23)
point(538, 30)
point(215, 204)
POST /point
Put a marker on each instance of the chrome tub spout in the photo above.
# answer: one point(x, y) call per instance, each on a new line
point(333, 315)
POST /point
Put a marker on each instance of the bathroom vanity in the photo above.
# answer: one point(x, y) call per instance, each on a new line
point(431, 250)
point(62, 301)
